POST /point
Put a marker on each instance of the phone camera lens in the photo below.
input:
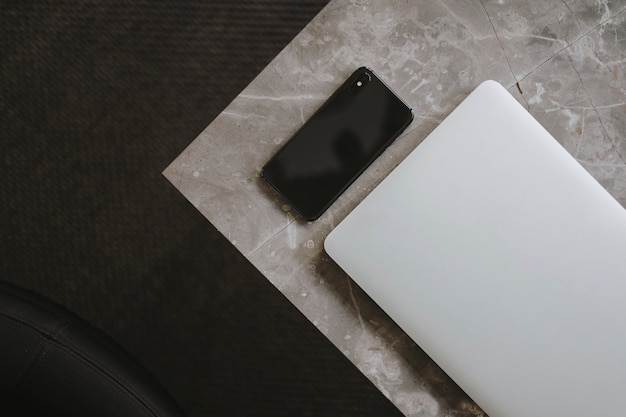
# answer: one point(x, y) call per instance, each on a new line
point(358, 84)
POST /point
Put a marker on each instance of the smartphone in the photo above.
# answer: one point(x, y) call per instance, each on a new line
point(344, 136)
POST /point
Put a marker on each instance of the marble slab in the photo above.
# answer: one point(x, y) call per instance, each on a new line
point(565, 60)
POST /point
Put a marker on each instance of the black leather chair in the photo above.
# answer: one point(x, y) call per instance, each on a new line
point(52, 363)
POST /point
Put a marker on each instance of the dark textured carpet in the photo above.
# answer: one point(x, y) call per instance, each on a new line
point(96, 99)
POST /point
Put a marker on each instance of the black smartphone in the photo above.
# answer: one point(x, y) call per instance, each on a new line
point(348, 132)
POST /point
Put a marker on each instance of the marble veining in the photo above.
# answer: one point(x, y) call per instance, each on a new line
point(565, 60)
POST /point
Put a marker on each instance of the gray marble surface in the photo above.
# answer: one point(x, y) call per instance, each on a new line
point(565, 60)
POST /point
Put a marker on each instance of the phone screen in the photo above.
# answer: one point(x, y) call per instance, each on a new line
point(353, 127)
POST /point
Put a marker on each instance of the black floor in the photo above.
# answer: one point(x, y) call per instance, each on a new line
point(96, 99)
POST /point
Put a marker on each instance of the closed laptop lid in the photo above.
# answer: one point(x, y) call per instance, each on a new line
point(503, 259)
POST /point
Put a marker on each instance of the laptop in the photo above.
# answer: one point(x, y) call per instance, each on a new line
point(502, 258)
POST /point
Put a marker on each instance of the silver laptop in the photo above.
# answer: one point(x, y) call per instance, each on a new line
point(503, 259)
